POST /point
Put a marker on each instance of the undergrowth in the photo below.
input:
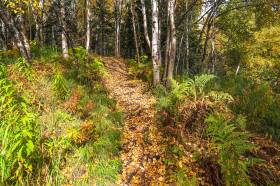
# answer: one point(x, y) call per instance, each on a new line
point(71, 135)
point(18, 133)
point(258, 101)
point(190, 107)
point(142, 70)
point(231, 143)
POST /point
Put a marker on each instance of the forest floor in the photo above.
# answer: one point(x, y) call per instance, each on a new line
point(142, 142)
point(85, 140)
point(145, 144)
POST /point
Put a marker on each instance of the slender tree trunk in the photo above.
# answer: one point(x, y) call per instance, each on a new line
point(3, 35)
point(159, 31)
point(42, 20)
point(187, 29)
point(179, 55)
point(132, 9)
point(213, 52)
point(97, 40)
point(238, 69)
point(23, 36)
point(167, 49)
point(88, 32)
point(173, 40)
point(118, 4)
point(36, 18)
point(64, 43)
point(146, 33)
point(170, 54)
point(155, 42)
point(16, 26)
point(21, 41)
point(53, 36)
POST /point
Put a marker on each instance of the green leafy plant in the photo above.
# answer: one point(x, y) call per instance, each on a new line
point(24, 67)
point(143, 70)
point(87, 68)
point(18, 133)
point(183, 180)
point(60, 86)
point(231, 144)
point(190, 90)
point(257, 101)
point(97, 66)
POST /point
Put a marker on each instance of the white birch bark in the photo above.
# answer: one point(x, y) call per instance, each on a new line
point(16, 26)
point(132, 9)
point(43, 20)
point(118, 4)
point(88, 32)
point(173, 40)
point(4, 39)
point(64, 43)
point(155, 43)
point(146, 33)
point(21, 38)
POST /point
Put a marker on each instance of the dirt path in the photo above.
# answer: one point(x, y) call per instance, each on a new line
point(142, 143)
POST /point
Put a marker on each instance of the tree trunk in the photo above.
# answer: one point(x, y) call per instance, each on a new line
point(3, 35)
point(88, 32)
point(187, 29)
point(35, 16)
point(173, 40)
point(155, 43)
point(18, 31)
point(64, 43)
point(132, 9)
point(42, 22)
point(117, 28)
point(167, 50)
point(170, 55)
point(146, 33)
point(179, 55)
point(23, 37)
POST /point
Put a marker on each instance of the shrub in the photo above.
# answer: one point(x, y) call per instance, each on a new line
point(257, 101)
point(191, 99)
point(188, 105)
point(45, 53)
point(9, 56)
point(87, 68)
point(18, 134)
point(60, 86)
point(231, 144)
point(143, 70)
point(24, 67)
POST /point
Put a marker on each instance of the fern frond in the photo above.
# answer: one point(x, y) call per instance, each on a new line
point(202, 80)
point(220, 96)
point(231, 144)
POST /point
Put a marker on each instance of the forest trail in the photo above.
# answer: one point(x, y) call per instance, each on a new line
point(142, 142)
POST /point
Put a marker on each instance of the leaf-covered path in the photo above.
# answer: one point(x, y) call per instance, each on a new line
point(142, 142)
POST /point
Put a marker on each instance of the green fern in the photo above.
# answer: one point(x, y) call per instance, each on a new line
point(189, 90)
point(231, 145)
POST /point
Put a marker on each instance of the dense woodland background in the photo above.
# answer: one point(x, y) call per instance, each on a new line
point(212, 65)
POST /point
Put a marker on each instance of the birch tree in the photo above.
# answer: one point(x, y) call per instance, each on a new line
point(64, 43)
point(155, 43)
point(146, 33)
point(118, 4)
point(172, 41)
point(3, 35)
point(88, 31)
point(132, 9)
point(14, 23)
